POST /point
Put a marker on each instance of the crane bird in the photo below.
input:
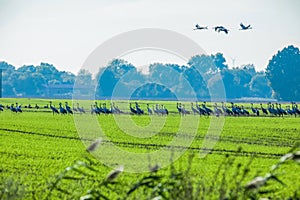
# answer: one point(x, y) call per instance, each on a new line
point(18, 107)
point(254, 110)
point(243, 27)
point(207, 110)
point(54, 110)
point(226, 110)
point(244, 111)
point(138, 109)
point(217, 110)
point(61, 109)
point(201, 110)
point(264, 110)
point(68, 108)
point(81, 110)
point(221, 28)
point(37, 106)
point(163, 110)
point(132, 109)
point(150, 112)
point(115, 109)
point(105, 109)
point(198, 27)
point(12, 108)
point(179, 108)
point(195, 111)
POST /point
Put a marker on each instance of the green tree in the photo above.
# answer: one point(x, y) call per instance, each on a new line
point(118, 76)
point(219, 61)
point(84, 77)
point(283, 72)
point(203, 63)
point(259, 86)
point(7, 81)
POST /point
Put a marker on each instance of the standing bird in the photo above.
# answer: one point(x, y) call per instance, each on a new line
point(149, 110)
point(138, 109)
point(181, 109)
point(36, 106)
point(81, 110)
point(217, 110)
point(263, 109)
point(18, 107)
point(74, 108)
point(163, 110)
point(115, 108)
point(235, 109)
point(195, 111)
point(61, 109)
point(201, 110)
point(289, 110)
point(207, 110)
point(244, 111)
point(54, 110)
point(94, 110)
point(68, 108)
point(254, 110)
point(226, 110)
point(106, 110)
point(12, 108)
point(282, 111)
point(132, 109)
point(295, 108)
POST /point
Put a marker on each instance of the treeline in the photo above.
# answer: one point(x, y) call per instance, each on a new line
point(33, 81)
point(204, 76)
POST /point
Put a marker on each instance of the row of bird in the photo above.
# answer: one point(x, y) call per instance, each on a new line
point(222, 28)
point(159, 109)
point(239, 110)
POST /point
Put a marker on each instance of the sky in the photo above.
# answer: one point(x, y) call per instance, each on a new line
point(64, 33)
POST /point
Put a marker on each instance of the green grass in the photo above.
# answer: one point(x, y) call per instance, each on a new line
point(37, 146)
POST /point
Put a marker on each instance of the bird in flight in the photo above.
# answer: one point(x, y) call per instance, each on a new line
point(198, 27)
point(243, 27)
point(221, 28)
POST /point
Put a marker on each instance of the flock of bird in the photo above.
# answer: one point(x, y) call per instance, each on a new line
point(237, 110)
point(222, 28)
point(272, 109)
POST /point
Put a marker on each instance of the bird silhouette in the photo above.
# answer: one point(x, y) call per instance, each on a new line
point(198, 27)
point(18, 108)
point(221, 28)
point(61, 109)
point(54, 110)
point(150, 112)
point(132, 109)
point(68, 108)
point(243, 27)
point(12, 108)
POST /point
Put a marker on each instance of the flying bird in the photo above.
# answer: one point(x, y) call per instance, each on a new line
point(198, 27)
point(221, 28)
point(243, 27)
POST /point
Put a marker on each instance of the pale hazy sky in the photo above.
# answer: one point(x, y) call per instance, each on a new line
point(64, 33)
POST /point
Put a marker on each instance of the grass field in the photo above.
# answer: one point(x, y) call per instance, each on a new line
point(36, 146)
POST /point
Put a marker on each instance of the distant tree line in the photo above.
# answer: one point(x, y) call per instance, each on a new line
point(204, 76)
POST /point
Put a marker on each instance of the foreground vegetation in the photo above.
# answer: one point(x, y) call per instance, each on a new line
point(42, 156)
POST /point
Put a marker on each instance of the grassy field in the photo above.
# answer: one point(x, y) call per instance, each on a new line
point(37, 146)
